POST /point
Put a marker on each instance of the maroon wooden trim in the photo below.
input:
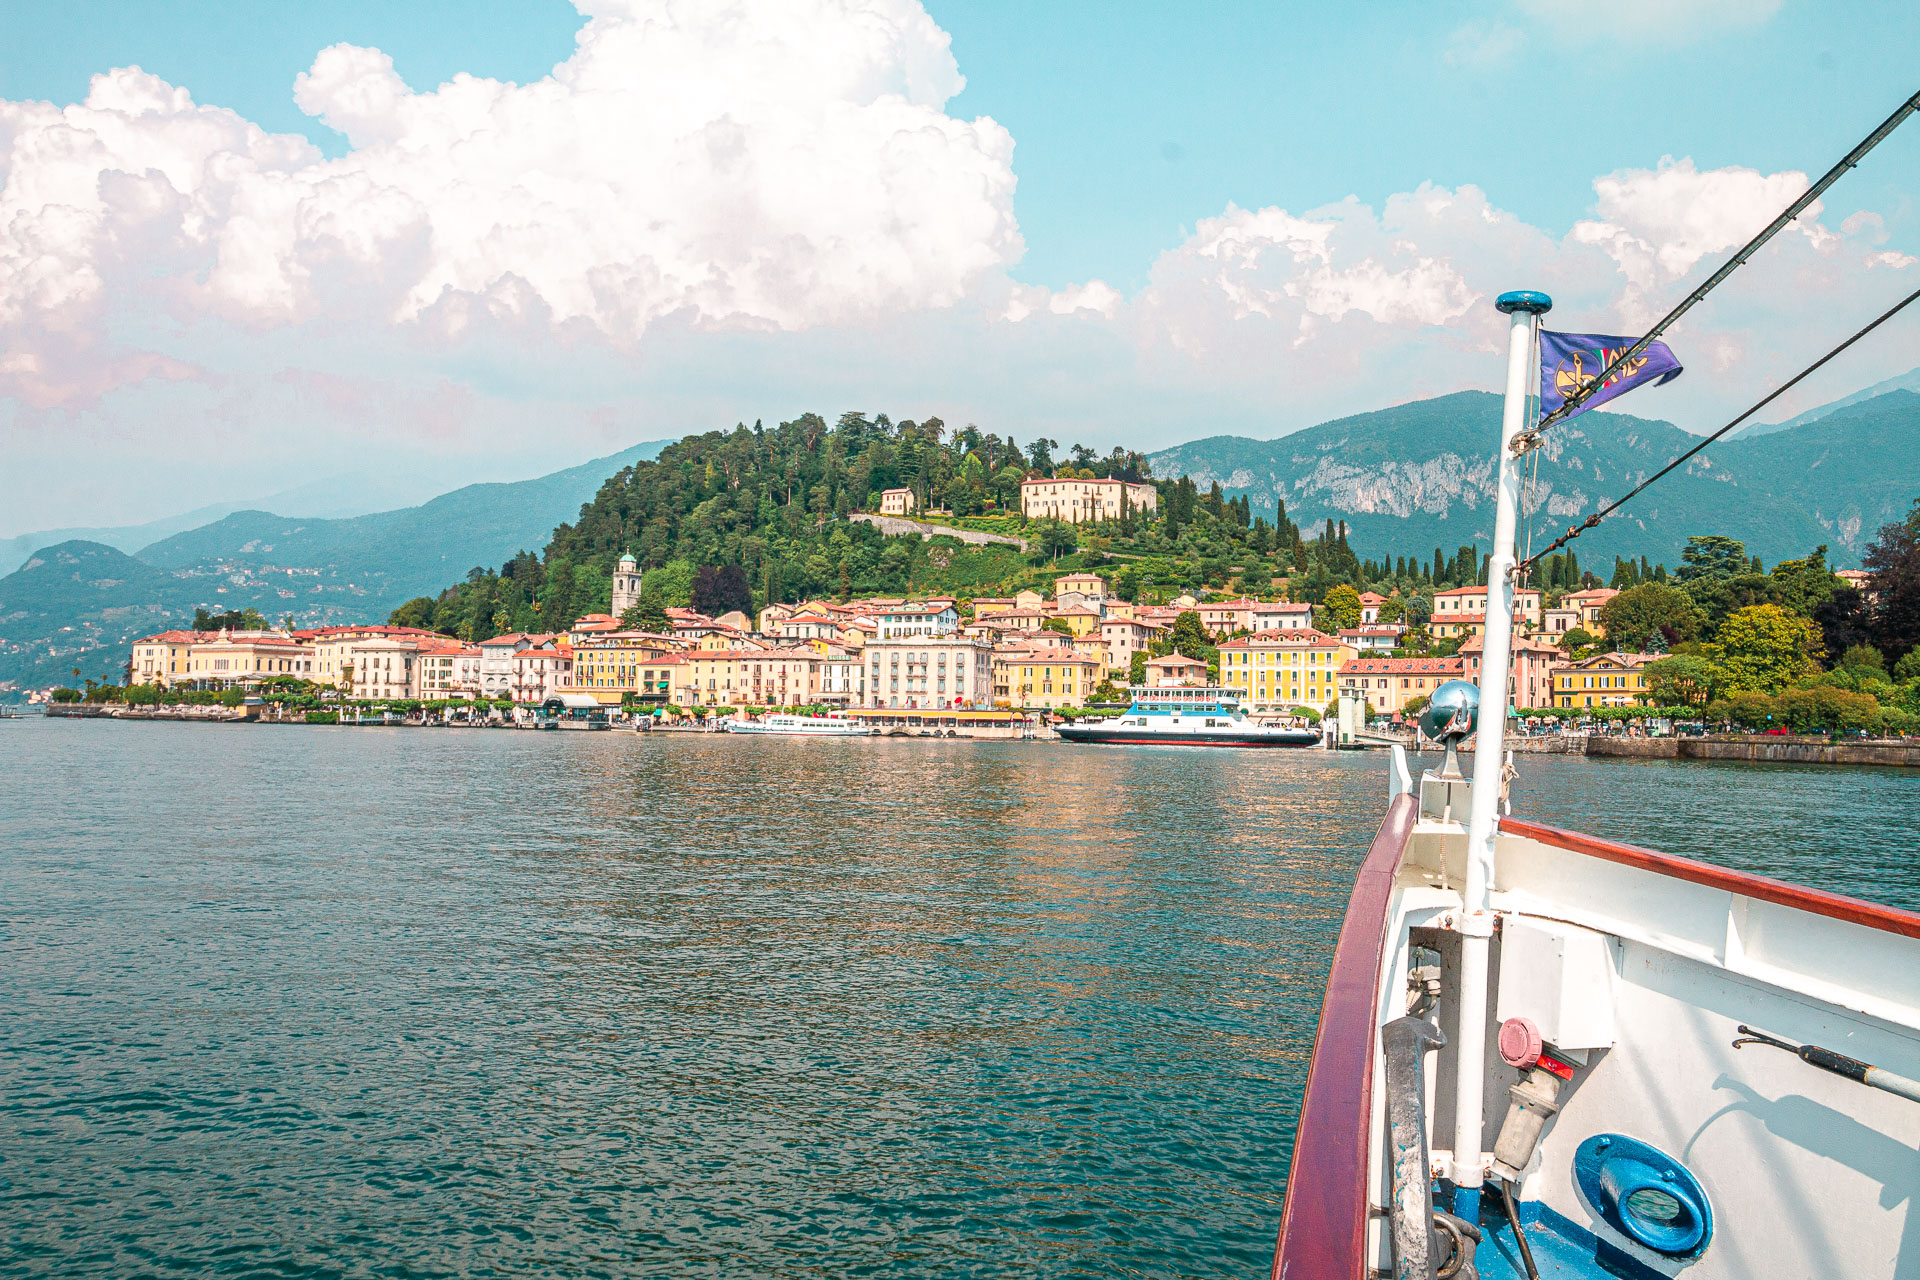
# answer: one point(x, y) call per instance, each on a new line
point(1819, 902)
point(1323, 1226)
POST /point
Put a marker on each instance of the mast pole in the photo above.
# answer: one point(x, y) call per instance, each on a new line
point(1524, 309)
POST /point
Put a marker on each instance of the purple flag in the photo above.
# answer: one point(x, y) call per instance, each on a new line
point(1570, 360)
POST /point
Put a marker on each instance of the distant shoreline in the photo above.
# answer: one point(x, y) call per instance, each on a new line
point(1736, 748)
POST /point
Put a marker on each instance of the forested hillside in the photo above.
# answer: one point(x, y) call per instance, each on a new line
point(769, 505)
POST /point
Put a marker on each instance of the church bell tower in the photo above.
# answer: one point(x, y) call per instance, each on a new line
point(626, 585)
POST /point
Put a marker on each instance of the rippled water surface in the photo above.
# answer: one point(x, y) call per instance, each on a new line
point(372, 1002)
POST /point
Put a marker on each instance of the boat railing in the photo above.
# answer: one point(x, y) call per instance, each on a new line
point(1323, 1227)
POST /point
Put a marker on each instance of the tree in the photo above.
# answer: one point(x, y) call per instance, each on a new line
point(1055, 538)
point(1750, 708)
point(1343, 607)
point(248, 619)
point(1845, 620)
point(417, 612)
point(650, 614)
point(1712, 557)
point(1894, 561)
point(1824, 708)
point(1393, 610)
point(719, 589)
point(1680, 681)
point(1190, 635)
point(1577, 642)
point(1059, 626)
point(1638, 612)
point(1863, 660)
point(1763, 649)
point(1804, 585)
point(1137, 668)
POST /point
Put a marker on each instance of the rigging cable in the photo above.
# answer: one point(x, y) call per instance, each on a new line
point(1594, 519)
point(1531, 439)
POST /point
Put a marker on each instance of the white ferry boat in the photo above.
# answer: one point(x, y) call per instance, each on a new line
point(1188, 717)
point(830, 726)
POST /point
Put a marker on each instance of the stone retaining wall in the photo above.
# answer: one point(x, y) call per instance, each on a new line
point(895, 524)
point(1759, 749)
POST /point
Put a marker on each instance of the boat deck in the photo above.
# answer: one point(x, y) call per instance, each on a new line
point(1647, 968)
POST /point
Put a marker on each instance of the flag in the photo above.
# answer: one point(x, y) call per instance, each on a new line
point(1568, 361)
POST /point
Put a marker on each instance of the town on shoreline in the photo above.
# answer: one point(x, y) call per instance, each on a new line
point(985, 664)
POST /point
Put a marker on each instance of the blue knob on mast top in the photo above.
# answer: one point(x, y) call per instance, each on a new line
point(1529, 300)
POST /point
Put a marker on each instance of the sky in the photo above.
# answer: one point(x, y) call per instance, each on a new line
point(379, 250)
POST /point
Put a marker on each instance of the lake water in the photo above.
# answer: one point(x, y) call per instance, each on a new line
point(389, 1002)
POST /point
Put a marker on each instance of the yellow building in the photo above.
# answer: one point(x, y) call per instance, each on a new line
point(1457, 626)
point(613, 667)
point(1083, 621)
point(750, 677)
point(162, 658)
point(1040, 675)
point(1603, 680)
point(1276, 670)
point(248, 658)
point(1473, 600)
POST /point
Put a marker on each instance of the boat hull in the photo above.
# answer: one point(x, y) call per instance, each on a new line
point(1223, 738)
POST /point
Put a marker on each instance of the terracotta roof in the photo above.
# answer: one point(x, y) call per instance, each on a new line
point(1616, 658)
point(1043, 653)
point(1307, 636)
point(1403, 666)
point(1520, 644)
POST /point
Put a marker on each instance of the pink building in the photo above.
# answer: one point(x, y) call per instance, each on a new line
point(1390, 683)
point(539, 674)
point(1529, 671)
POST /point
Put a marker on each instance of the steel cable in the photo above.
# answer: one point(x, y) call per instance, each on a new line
point(1575, 531)
point(1531, 439)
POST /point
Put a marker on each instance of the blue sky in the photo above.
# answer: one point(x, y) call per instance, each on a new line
point(1134, 118)
point(1134, 130)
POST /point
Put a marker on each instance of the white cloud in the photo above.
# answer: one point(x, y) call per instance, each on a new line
point(1657, 224)
point(750, 208)
point(751, 162)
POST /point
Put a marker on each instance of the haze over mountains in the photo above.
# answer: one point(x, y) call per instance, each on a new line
point(79, 602)
point(1419, 476)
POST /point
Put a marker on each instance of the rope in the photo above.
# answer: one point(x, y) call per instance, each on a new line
point(1531, 439)
point(1594, 519)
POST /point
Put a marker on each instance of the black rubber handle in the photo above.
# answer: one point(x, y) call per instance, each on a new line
point(1838, 1063)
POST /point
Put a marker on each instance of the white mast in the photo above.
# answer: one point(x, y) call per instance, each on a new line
point(1489, 757)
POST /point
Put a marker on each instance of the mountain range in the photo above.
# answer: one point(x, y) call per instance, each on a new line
point(1420, 476)
point(1406, 480)
point(78, 602)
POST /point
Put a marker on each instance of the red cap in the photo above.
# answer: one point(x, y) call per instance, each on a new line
point(1520, 1042)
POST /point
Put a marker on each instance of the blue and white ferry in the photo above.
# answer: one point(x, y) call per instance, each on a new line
point(1210, 716)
